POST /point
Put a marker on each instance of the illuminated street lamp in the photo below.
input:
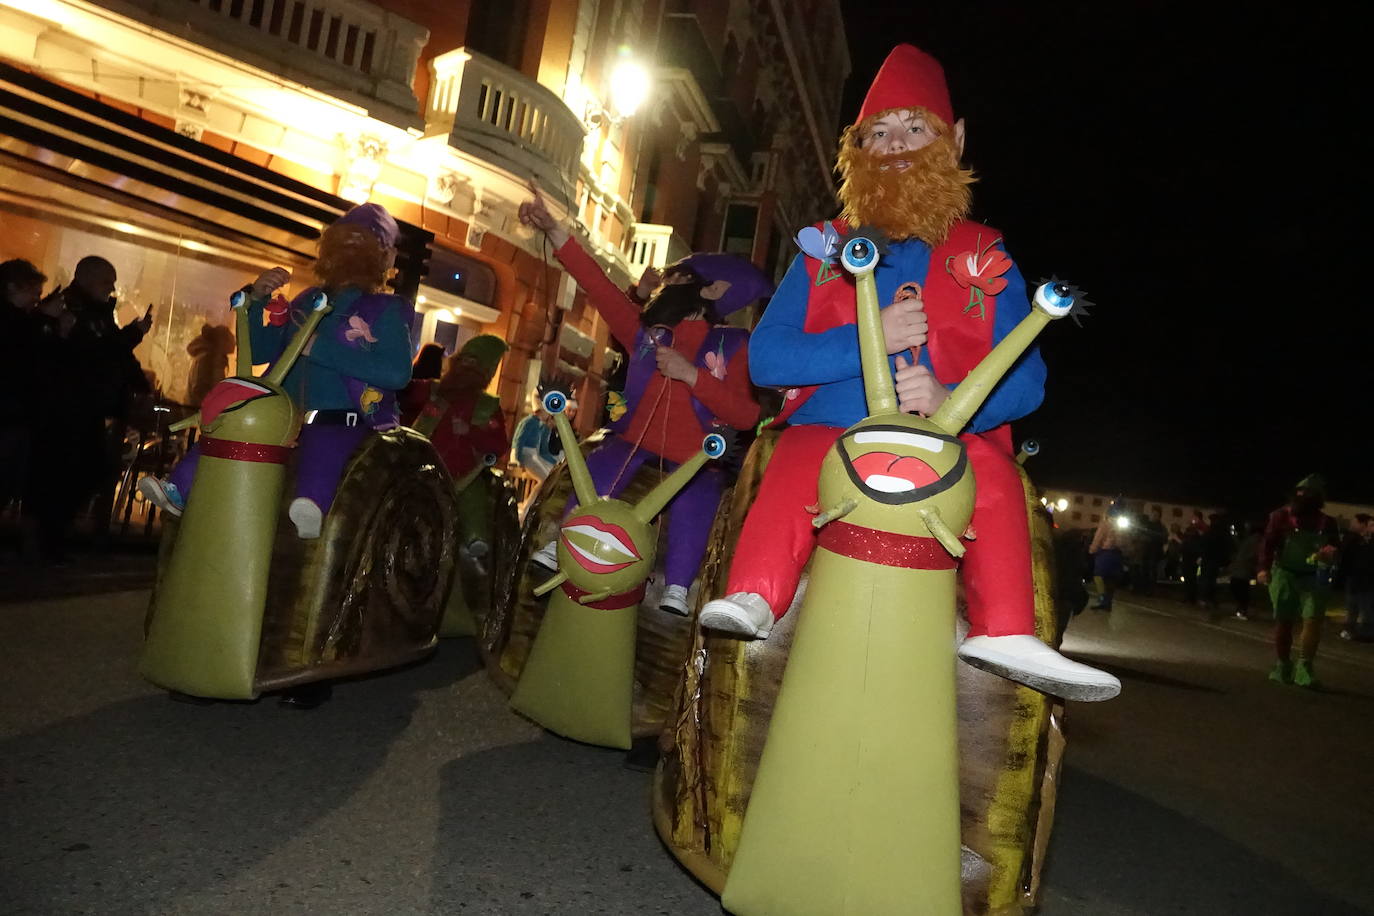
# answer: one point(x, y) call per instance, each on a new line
point(1123, 522)
point(1061, 504)
point(629, 86)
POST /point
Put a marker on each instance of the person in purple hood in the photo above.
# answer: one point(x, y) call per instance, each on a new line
point(347, 379)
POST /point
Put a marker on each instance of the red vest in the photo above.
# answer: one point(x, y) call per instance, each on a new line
point(960, 333)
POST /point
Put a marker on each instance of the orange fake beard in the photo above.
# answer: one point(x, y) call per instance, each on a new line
point(922, 202)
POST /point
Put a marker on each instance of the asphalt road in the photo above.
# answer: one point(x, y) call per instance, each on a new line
point(1202, 789)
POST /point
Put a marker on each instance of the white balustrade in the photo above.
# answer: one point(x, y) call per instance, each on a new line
point(500, 115)
point(652, 245)
point(349, 45)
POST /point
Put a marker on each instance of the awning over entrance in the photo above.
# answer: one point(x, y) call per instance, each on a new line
point(51, 136)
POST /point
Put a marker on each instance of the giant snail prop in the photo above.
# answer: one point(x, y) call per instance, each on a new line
point(578, 680)
point(241, 605)
point(847, 800)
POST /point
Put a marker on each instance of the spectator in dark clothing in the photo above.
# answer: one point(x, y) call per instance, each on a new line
point(1189, 556)
point(1172, 550)
point(1356, 572)
point(90, 384)
point(1244, 567)
point(1217, 546)
point(1150, 539)
point(22, 327)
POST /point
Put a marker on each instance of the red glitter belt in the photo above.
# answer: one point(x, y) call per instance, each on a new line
point(885, 548)
point(243, 451)
point(613, 603)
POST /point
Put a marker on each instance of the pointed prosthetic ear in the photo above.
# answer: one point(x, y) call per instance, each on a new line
point(715, 290)
point(959, 136)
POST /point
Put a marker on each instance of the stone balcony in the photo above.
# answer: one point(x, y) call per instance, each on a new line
point(506, 119)
point(652, 245)
point(350, 49)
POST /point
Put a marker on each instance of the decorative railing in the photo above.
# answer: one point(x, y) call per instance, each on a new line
point(506, 118)
point(651, 245)
point(350, 48)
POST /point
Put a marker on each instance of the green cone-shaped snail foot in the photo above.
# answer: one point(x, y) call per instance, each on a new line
point(206, 616)
point(854, 738)
point(662, 640)
point(1010, 742)
point(458, 618)
point(579, 679)
point(488, 527)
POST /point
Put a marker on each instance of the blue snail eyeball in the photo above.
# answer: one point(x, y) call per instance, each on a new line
point(236, 300)
point(859, 254)
point(1030, 447)
point(1056, 299)
point(489, 460)
point(555, 402)
point(713, 445)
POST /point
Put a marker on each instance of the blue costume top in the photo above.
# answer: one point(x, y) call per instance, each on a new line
point(783, 354)
point(358, 359)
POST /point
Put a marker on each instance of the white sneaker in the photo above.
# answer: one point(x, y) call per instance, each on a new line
point(1027, 660)
point(674, 600)
point(743, 614)
point(547, 556)
point(163, 494)
point(305, 514)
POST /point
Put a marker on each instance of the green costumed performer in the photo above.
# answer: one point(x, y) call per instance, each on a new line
point(1297, 554)
point(855, 807)
point(468, 430)
point(579, 680)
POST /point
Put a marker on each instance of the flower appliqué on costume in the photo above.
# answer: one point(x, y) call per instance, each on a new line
point(616, 407)
point(359, 330)
point(715, 362)
point(981, 273)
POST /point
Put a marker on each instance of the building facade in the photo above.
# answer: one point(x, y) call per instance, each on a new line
point(196, 142)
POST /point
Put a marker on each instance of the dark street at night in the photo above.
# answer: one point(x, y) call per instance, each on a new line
point(1203, 789)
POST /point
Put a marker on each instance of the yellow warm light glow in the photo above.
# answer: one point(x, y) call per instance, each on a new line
point(52, 10)
point(127, 228)
point(629, 86)
point(456, 313)
point(1061, 504)
point(419, 300)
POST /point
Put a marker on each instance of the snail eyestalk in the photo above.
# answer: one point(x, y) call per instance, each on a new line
point(243, 346)
point(860, 257)
point(712, 447)
point(556, 402)
point(1051, 301)
point(297, 345)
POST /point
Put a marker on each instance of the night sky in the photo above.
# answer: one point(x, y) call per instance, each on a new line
point(1196, 172)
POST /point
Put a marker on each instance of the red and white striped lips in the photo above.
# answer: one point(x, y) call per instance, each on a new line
point(890, 473)
point(228, 393)
point(585, 533)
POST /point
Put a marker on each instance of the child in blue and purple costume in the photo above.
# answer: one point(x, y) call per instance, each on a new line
point(347, 379)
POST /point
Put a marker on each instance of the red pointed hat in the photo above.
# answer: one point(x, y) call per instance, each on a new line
point(909, 78)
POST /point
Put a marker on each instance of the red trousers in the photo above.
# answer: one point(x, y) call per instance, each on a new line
point(778, 537)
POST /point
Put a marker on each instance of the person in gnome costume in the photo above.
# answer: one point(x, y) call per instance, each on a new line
point(461, 419)
point(348, 377)
point(952, 294)
point(688, 374)
point(1296, 557)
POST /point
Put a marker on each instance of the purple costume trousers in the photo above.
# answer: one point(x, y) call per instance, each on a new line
point(690, 513)
point(322, 453)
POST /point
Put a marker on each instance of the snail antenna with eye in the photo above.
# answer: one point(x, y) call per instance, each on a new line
point(555, 381)
point(880, 239)
point(1081, 303)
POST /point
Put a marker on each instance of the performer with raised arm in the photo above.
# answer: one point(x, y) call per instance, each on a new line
point(688, 374)
point(952, 293)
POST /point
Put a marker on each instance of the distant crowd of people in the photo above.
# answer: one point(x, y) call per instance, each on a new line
point(1297, 553)
point(71, 378)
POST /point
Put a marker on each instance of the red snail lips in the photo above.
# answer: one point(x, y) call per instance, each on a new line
point(889, 473)
point(586, 533)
